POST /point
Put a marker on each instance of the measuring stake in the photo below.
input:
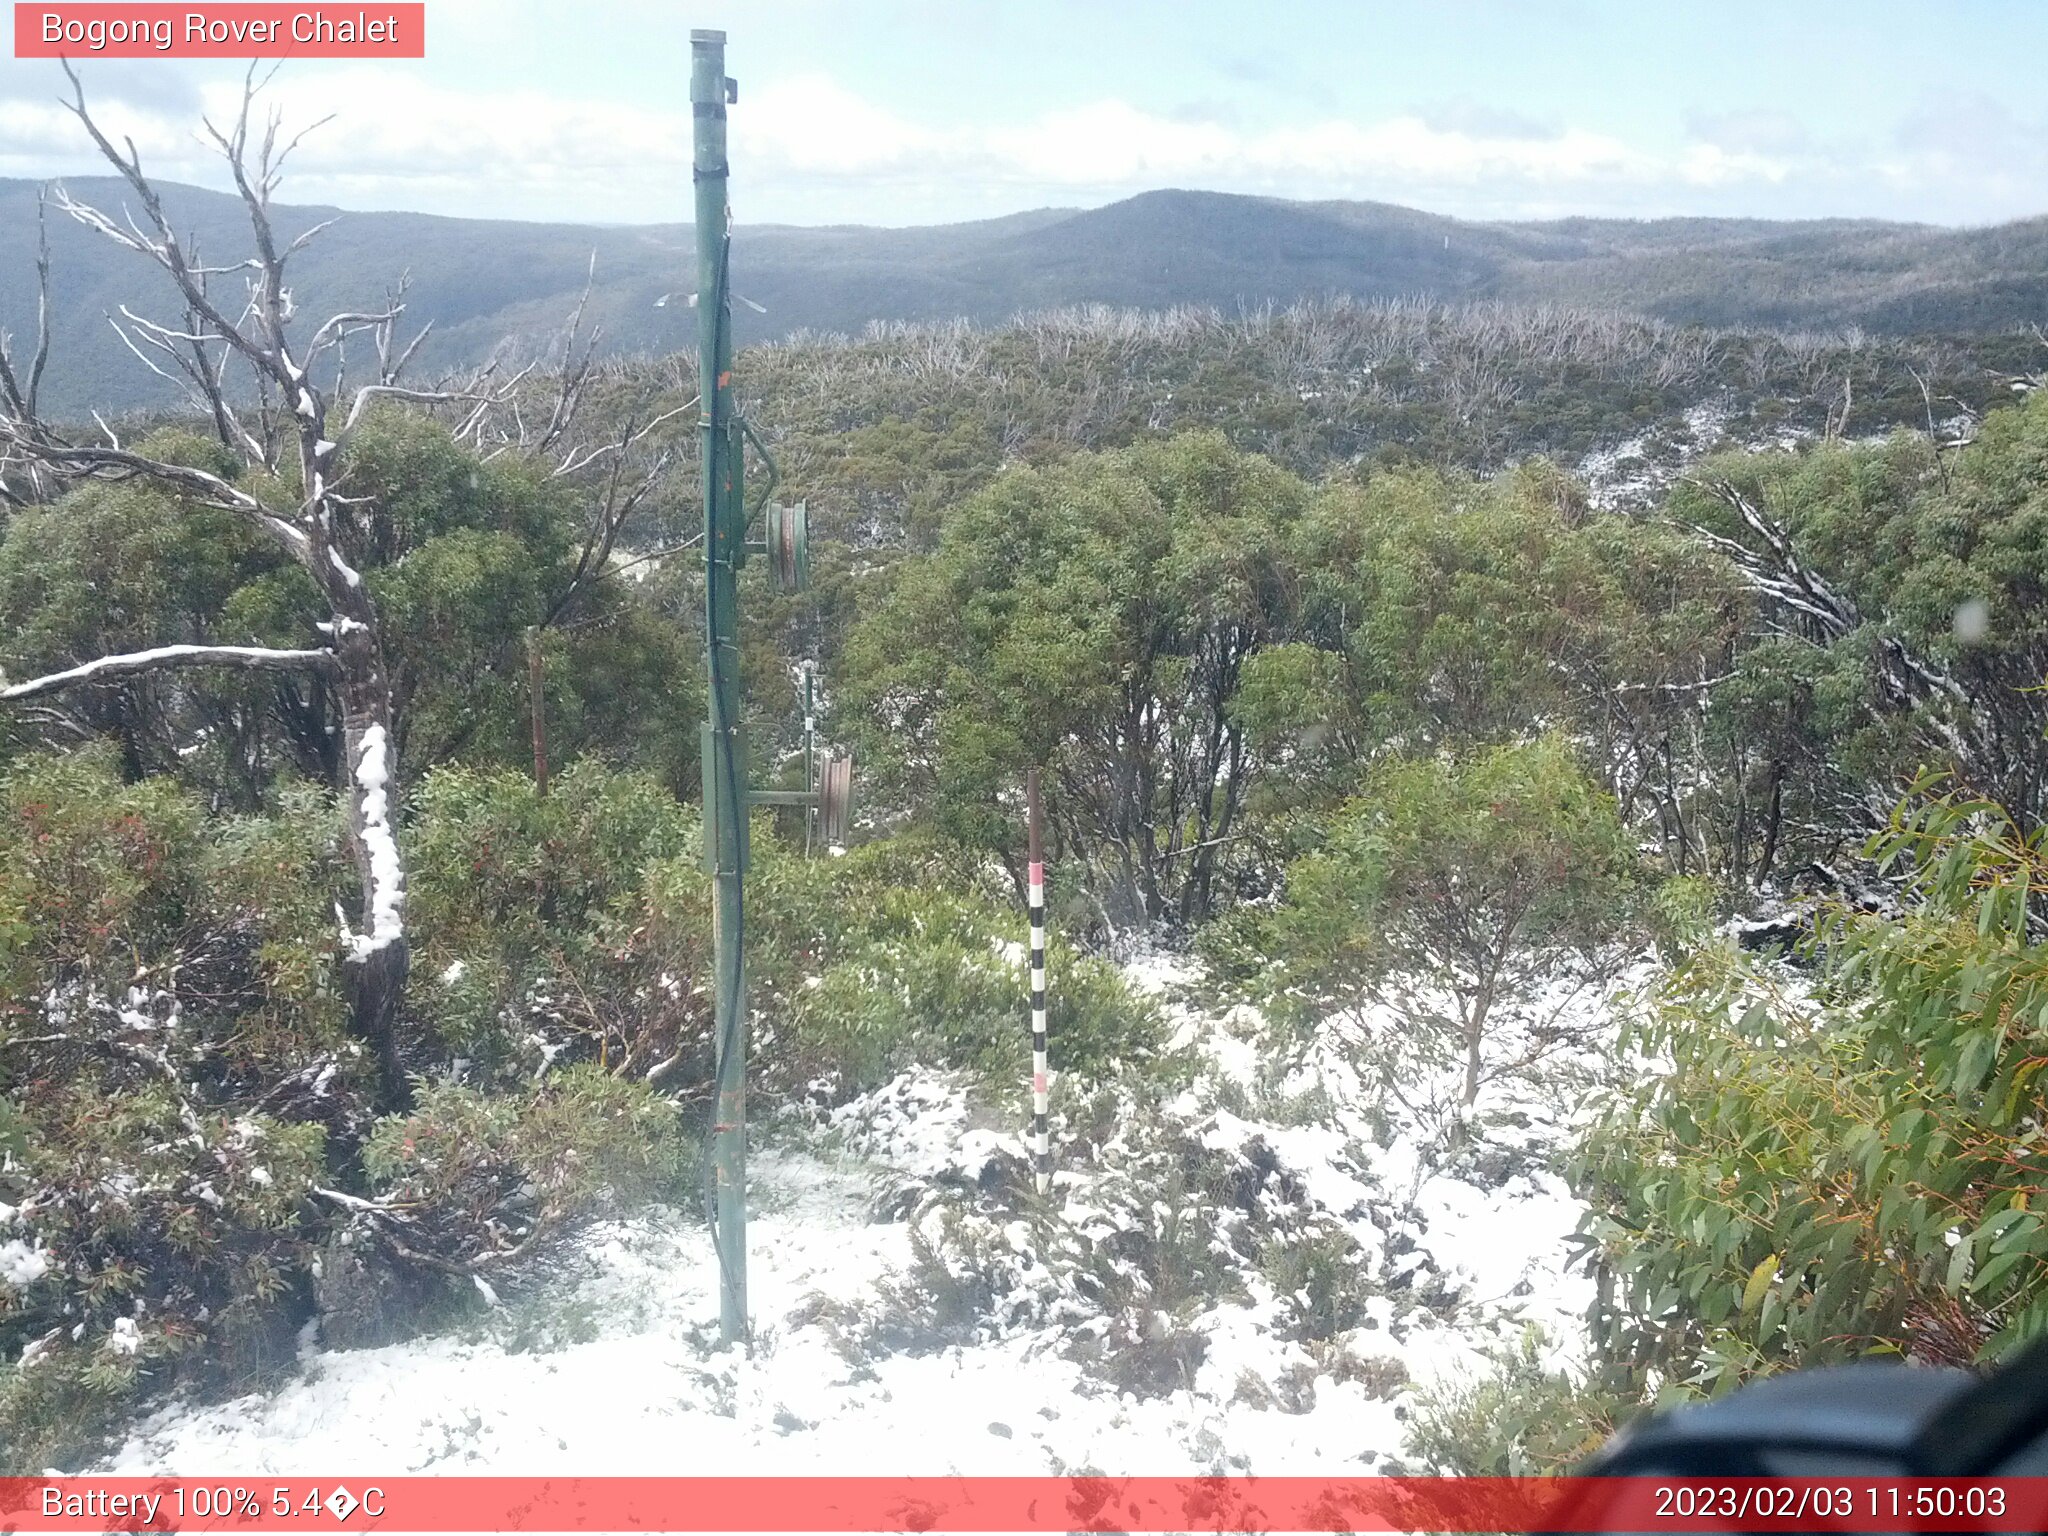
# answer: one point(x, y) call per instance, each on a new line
point(1041, 1136)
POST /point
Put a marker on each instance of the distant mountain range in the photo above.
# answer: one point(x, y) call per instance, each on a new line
point(482, 281)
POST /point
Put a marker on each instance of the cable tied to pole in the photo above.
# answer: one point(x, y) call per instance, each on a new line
point(732, 1028)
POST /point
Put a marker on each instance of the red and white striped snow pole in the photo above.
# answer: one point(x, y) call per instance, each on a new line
point(1041, 1136)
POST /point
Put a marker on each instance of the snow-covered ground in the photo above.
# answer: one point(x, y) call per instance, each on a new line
point(610, 1364)
point(1635, 472)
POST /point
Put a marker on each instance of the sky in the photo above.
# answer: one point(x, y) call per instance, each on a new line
point(929, 111)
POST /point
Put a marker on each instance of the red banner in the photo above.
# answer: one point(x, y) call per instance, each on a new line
point(1023, 1504)
point(377, 31)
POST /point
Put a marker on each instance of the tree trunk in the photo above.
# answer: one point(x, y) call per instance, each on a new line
point(536, 689)
point(1775, 820)
point(1472, 1035)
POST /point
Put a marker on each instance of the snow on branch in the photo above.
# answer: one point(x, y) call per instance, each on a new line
point(251, 658)
point(1776, 573)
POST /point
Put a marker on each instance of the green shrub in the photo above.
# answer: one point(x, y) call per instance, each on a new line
point(158, 976)
point(92, 872)
point(499, 868)
point(1841, 1169)
point(531, 921)
point(877, 962)
point(1450, 892)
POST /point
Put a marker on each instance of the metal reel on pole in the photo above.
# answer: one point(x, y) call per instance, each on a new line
point(788, 545)
point(835, 799)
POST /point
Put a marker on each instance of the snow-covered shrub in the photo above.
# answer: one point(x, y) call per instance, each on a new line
point(185, 1126)
point(1520, 1418)
point(148, 1241)
point(960, 1269)
point(505, 1170)
point(155, 1156)
point(1324, 1279)
point(1165, 1226)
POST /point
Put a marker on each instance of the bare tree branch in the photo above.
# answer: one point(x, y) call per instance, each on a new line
point(163, 246)
point(251, 658)
point(91, 462)
point(453, 396)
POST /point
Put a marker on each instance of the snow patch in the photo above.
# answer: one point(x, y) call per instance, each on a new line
point(21, 1265)
point(387, 876)
point(348, 572)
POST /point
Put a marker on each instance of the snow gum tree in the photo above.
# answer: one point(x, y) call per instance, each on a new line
point(277, 393)
point(1095, 618)
point(287, 441)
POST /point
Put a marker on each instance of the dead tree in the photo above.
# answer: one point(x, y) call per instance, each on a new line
point(289, 415)
point(285, 427)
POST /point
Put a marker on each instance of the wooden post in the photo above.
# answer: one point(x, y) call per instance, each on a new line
point(1041, 1135)
point(536, 687)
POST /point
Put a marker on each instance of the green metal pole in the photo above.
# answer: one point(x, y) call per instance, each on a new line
point(725, 798)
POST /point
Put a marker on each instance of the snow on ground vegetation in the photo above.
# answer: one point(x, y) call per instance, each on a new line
point(1252, 1261)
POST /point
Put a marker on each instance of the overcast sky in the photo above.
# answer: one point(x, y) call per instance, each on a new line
point(921, 111)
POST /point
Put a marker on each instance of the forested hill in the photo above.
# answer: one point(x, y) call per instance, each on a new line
point(481, 281)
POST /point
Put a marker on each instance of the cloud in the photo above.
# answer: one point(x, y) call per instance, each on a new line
point(1486, 122)
point(392, 124)
point(39, 137)
point(1766, 131)
point(143, 83)
point(1962, 155)
point(810, 150)
point(1709, 165)
point(1208, 109)
point(812, 127)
